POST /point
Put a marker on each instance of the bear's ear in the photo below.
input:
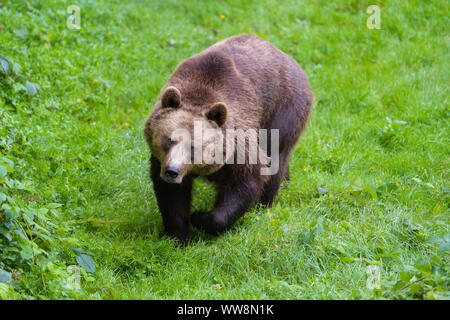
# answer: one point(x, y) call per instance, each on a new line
point(171, 98)
point(218, 113)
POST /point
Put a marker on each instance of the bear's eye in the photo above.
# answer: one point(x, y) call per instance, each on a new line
point(168, 143)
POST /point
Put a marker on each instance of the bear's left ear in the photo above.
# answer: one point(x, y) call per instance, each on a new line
point(218, 113)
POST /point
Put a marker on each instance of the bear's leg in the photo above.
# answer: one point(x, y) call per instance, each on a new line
point(287, 174)
point(174, 201)
point(272, 186)
point(232, 201)
point(289, 120)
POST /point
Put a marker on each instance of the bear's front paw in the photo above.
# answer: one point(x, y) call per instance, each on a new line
point(199, 219)
point(207, 222)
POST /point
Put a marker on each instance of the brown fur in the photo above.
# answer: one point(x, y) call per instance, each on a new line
point(260, 87)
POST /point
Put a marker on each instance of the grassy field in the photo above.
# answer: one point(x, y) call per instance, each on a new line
point(369, 185)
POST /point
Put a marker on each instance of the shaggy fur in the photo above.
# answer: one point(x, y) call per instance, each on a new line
point(242, 82)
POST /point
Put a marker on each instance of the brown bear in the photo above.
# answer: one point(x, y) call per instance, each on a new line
point(242, 83)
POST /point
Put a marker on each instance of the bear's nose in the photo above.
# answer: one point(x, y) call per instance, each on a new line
point(171, 173)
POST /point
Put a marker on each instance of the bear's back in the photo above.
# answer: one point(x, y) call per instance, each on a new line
point(248, 73)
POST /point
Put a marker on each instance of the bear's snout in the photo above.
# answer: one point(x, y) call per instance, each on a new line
point(171, 173)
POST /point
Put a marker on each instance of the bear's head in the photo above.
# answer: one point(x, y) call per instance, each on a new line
point(183, 141)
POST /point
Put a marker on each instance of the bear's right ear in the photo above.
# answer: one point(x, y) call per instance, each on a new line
point(171, 98)
point(218, 113)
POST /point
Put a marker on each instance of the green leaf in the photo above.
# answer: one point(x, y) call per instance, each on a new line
point(3, 171)
point(424, 266)
point(399, 285)
point(318, 228)
point(26, 253)
point(54, 205)
point(4, 64)
point(7, 161)
point(386, 188)
point(77, 250)
point(32, 88)
point(86, 262)
point(406, 276)
point(9, 212)
point(444, 242)
point(2, 197)
point(371, 191)
point(445, 246)
point(19, 87)
point(3, 289)
point(322, 190)
point(434, 239)
point(306, 237)
point(5, 276)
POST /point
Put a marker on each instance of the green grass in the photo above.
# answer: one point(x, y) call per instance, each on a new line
point(377, 141)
